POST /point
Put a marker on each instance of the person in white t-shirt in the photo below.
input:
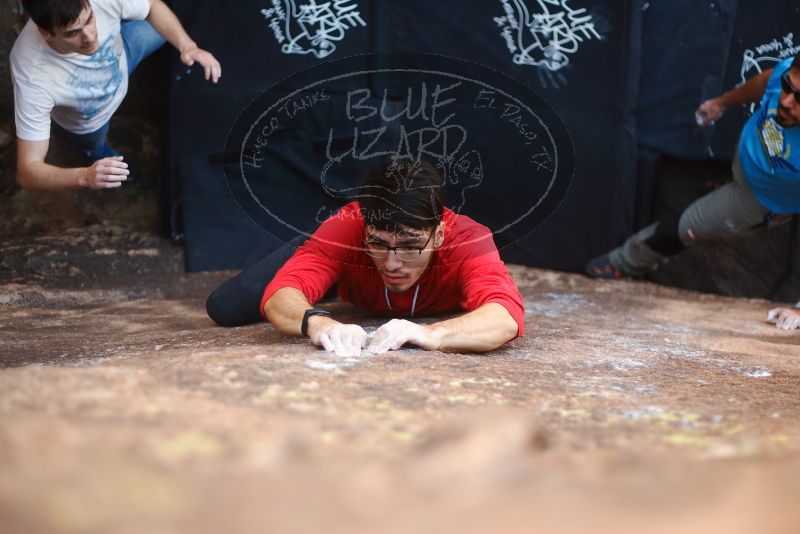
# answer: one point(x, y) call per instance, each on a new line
point(70, 64)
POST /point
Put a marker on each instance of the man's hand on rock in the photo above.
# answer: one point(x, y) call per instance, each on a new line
point(709, 112)
point(105, 173)
point(784, 318)
point(341, 339)
point(398, 332)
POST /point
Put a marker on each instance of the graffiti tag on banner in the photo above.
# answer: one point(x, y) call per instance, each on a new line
point(765, 56)
point(311, 27)
point(547, 35)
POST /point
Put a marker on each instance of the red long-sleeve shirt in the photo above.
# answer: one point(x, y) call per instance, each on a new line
point(465, 272)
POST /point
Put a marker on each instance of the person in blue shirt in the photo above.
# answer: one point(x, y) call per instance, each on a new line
point(765, 186)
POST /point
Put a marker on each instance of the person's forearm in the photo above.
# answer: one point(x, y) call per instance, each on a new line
point(167, 24)
point(481, 330)
point(750, 91)
point(285, 310)
point(42, 177)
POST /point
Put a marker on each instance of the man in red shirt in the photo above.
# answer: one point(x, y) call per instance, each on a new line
point(397, 252)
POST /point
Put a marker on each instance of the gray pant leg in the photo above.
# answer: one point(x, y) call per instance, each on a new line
point(730, 210)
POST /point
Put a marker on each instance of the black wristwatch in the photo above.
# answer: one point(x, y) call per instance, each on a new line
point(311, 312)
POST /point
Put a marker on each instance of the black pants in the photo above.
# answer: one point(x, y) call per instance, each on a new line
point(236, 302)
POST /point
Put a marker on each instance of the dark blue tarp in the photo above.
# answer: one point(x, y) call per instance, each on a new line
point(692, 51)
point(685, 44)
point(580, 56)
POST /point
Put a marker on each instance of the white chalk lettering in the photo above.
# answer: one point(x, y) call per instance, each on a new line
point(252, 155)
point(547, 35)
point(311, 27)
point(765, 56)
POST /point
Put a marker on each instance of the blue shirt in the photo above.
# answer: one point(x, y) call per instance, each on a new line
point(770, 154)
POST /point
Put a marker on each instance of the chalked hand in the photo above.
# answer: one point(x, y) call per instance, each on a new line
point(341, 339)
point(709, 112)
point(398, 332)
point(784, 318)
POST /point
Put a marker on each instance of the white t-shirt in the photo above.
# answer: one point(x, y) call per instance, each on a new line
point(79, 92)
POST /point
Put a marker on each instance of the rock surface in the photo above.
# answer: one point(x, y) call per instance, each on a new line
point(627, 407)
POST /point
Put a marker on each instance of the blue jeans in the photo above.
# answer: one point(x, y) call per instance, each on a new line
point(140, 40)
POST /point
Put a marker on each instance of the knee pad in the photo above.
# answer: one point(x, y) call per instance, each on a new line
point(666, 240)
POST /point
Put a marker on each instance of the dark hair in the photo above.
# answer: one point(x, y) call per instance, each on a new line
point(52, 14)
point(402, 192)
point(796, 62)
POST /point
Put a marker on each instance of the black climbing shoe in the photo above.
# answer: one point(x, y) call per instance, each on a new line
point(600, 267)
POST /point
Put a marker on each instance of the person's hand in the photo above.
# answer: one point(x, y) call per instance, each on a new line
point(211, 67)
point(398, 332)
point(341, 339)
point(709, 112)
point(105, 173)
point(784, 318)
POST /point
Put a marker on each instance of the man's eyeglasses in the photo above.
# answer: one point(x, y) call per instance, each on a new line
point(787, 86)
point(404, 253)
